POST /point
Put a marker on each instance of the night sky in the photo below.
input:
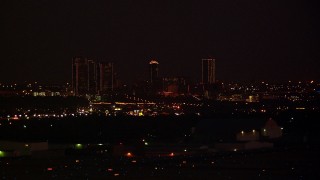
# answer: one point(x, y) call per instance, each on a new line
point(252, 40)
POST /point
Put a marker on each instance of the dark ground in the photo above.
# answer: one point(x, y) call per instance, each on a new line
point(277, 163)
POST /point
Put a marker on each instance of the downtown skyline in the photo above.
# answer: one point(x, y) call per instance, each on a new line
point(252, 41)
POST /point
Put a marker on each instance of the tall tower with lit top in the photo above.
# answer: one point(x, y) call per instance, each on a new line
point(208, 71)
point(154, 70)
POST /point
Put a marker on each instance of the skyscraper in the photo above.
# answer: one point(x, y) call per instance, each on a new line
point(105, 77)
point(208, 71)
point(90, 77)
point(79, 75)
point(154, 69)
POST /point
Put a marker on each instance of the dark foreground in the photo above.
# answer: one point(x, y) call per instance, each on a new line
point(283, 163)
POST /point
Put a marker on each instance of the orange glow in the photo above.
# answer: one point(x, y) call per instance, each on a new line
point(171, 154)
point(153, 62)
point(129, 154)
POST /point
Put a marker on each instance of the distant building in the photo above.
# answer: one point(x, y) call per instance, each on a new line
point(271, 129)
point(174, 86)
point(154, 84)
point(80, 75)
point(91, 77)
point(154, 70)
point(105, 77)
point(208, 71)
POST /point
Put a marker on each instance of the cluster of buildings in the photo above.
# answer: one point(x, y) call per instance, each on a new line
point(93, 77)
point(98, 80)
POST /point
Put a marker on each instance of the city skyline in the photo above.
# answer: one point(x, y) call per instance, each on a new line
point(159, 89)
point(253, 41)
point(154, 70)
point(91, 76)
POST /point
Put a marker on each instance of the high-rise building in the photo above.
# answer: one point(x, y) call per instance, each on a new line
point(90, 77)
point(79, 75)
point(105, 77)
point(208, 71)
point(154, 69)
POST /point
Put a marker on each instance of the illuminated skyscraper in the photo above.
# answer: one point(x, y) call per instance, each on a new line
point(208, 71)
point(105, 77)
point(154, 69)
point(90, 77)
point(79, 75)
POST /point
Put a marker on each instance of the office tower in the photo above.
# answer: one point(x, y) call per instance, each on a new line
point(105, 77)
point(92, 76)
point(79, 75)
point(208, 71)
point(154, 69)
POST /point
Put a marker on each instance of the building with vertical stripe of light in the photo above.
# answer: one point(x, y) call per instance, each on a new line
point(208, 71)
point(91, 77)
point(105, 77)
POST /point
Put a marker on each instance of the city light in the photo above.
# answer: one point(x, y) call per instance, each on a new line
point(2, 154)
point(160, 90)
point(78, 146)
point(153, 62)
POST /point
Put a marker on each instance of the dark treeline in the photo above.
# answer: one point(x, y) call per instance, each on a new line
point(300, 127)
point(11, 104)
point(97, 129)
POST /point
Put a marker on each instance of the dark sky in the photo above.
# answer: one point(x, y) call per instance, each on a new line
point(252, 40)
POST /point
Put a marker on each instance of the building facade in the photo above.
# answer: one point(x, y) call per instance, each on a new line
point(175, 86)
point(154, 70)
point(79, 75)
point(105, 77)
point(91, 77)
point(208, 71)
